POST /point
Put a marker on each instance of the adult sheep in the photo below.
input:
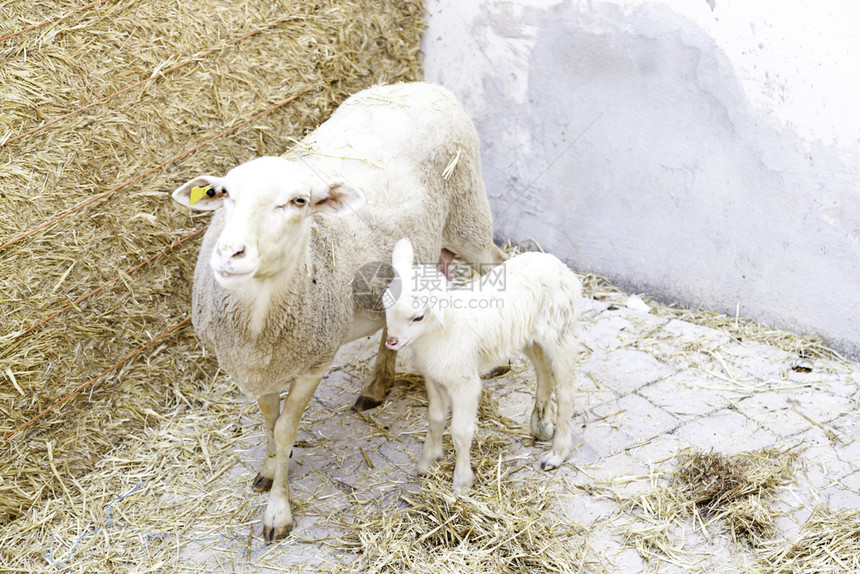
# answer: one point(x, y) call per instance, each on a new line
point(273, 287)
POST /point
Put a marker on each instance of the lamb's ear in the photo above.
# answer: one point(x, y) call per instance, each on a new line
point(337, 198)
point(203, 193)
point(401, 258)
point(435, 311)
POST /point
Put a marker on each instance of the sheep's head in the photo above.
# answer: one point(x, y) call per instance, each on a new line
point(267, 204)
point(413, 312)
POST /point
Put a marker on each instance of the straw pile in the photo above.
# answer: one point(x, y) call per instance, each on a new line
point(195, 69)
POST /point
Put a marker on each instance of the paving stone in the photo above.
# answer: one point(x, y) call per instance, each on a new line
point(658, 450)
point(618, 328)
point(845, 495)
point(640, 419)
point(622, 473)
point(755, 360)
point(788, 413)
point(726, 431)
point(626, 370)
point(603, 436)
point(585, 509)
point(687, 394)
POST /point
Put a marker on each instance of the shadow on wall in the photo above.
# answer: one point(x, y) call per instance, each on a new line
point(635, 154)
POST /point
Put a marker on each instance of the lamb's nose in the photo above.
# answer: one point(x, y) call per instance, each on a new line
point(391, 341)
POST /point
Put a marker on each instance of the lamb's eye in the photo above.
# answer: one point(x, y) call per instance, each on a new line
point(418, 318)
point(299, 201)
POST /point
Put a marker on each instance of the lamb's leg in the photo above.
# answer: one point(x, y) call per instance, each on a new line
point(465, 395)
point(270, 406)
point(563, 363)
point(278, 521)
point(541, 423)
point(376, 387)
point(437, 415)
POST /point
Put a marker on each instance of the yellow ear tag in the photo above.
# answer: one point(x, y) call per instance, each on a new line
point(197, 193)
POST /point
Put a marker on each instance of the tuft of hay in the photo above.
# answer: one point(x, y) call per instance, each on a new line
point(125, 101)
point(736, 489)
point(709, 490)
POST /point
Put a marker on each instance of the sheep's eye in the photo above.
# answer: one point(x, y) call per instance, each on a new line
point(299, 201)
point(418, 318)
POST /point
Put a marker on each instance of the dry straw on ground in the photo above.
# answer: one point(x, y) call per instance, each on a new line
point(194, 69)
point(829, 542)
point(506, 523)
point(712, 495)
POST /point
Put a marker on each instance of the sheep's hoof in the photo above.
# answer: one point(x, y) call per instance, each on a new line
point(363, 403)
point(497, 372)
point(261, 483)
point(272, 534)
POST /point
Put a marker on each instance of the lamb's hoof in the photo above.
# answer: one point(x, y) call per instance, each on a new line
point(551, 461)
point(272, 534)
point(261, 483)
point(363, 403)
point(497, 372)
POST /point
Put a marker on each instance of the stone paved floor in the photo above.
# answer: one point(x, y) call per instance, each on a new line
point(648, 387)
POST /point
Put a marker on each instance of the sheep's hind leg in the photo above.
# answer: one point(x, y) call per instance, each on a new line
point(376, 387)
point(542, 426)
point(270, 406)
point(563, 361)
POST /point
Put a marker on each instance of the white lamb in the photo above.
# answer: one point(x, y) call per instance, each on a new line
point(274, 285)
point(529, 304)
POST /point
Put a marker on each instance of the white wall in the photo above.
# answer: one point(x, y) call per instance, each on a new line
point(705, 152)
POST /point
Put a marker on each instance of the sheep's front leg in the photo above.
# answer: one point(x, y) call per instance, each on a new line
point(376, 387)
point(465, 395)
point(278, 521)
point(437, 415)
point(270, 406)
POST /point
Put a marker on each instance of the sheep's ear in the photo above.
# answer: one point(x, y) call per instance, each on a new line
point(337, 198)
point(401, 258)
point(203, 193)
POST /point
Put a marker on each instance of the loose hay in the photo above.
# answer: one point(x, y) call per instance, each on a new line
point(711, 493)
point(505, 524)
point(828, 543)
point(58, 475)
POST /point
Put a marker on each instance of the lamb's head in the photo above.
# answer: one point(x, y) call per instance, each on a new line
point(415, 312)
point(267, 204)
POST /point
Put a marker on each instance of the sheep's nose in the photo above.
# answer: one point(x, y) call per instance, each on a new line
point(233, 251)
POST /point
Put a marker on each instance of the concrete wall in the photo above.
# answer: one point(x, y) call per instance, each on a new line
point(705, 152)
